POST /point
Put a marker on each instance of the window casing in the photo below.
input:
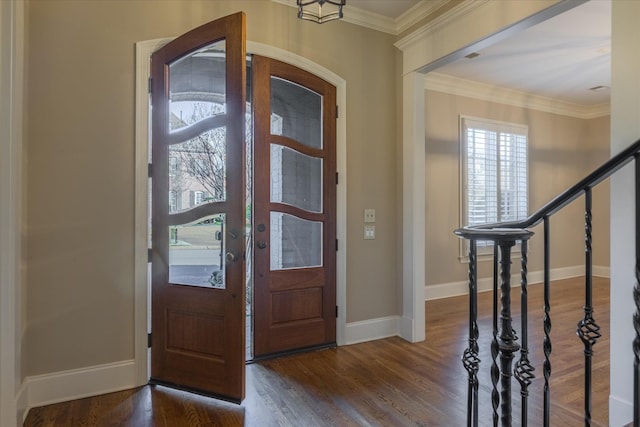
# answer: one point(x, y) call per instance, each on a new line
point(494, 169)
point(198, 197)
point(173, 201)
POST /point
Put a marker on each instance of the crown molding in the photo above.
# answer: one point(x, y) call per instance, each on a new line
point(454, 13)
point(486, 92)
point(382, 23)
point(417, 13)
point(371, 20)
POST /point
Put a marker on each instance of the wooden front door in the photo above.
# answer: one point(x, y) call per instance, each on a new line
point(294, 227)
point(198, 210)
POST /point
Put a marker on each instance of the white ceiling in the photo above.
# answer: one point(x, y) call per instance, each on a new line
point(560, 58)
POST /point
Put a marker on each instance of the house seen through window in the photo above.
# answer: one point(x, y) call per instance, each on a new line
point(494, 173)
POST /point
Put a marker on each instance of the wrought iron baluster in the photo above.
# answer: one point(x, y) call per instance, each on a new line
point(507, 340)
point(524, 370)
point(636, 350)
point(547, 348)
point(588, 329)
point(636, 299)
point(470, 358)
point(495, 370)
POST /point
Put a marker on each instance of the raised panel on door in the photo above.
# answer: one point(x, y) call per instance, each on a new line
point(294, 222)
point(198, 210)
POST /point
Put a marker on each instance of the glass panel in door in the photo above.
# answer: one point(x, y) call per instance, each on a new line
point(197, 86)
point(295, 242)
point(296, 112)
point(296, 178)
point(196, 253)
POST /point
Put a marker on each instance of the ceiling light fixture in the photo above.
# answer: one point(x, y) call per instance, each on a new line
point(320, 11)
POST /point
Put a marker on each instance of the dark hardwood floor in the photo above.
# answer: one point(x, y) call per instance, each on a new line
point(383, 383)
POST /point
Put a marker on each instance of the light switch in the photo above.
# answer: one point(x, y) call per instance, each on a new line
point(369, 232)
point(369, 215)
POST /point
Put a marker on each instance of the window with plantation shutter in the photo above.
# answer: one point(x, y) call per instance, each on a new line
point(494, 173)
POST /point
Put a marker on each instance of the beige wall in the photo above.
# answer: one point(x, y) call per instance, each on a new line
point(80, 156)
point(562, 150)
point(599, 136)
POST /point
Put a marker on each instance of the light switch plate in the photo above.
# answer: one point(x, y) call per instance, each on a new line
point(369, 232)
point(369, 215)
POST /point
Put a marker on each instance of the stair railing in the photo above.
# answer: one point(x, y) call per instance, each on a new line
point(504, 345)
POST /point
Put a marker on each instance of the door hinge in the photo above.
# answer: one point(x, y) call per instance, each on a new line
point(149, 254)
point(336, 245)
point(150, 84)
point(337, 113)
point(336, 178)
point(149, 340)
point(150, 170)
point(336, 311)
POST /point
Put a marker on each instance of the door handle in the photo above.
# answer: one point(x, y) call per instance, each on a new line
point(232, 256)
point(262, 244)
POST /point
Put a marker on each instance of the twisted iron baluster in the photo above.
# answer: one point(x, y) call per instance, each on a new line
point(547, 348)
point(523, 369)
point(636, 350)
point(495, 371)
point(636, 299)
point(470, 359)
point(508, 344)
point(588, 329)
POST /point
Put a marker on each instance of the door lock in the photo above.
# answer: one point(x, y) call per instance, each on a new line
point(232, 256)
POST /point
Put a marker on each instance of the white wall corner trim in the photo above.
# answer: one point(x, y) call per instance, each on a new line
point(372, 329)
point(413, 207)
point(452, 289)
point(22, 400)
point(12, 29)
point(79, 383)
point(620, 411)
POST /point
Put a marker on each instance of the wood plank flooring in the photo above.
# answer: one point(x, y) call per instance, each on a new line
point(383, 383)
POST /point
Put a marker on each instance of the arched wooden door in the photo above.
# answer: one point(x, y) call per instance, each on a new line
point(198, 92)
point(294, 226)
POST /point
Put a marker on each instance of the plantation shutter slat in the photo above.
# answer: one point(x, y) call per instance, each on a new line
point(494, 164)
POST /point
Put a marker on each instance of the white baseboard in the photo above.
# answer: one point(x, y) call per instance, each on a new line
point(452, 289)
point(373, 329)
point(601, 271)
point(79, 383)
point(620, 412)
